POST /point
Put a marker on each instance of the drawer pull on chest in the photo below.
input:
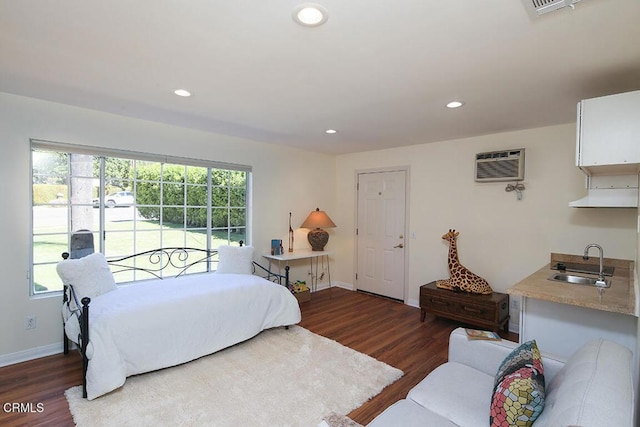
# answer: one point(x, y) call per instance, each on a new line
point(439, 302)
point(471, 309)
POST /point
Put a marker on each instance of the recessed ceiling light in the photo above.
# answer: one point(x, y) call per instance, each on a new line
point(331, 131)
point(455, 104)
point(182, 92)
point(310, 15)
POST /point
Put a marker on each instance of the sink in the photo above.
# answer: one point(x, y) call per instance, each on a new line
point(579, 280)
point(582, 268)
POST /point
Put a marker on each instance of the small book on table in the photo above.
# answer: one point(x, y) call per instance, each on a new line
point(476, 334)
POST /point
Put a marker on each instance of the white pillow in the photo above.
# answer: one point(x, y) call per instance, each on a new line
point(235, 259)
point(90, 275)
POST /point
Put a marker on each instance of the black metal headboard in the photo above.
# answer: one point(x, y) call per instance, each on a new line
point(153, 262)
point(158, 260)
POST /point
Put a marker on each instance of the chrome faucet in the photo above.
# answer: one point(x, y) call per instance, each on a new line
point(601, 281)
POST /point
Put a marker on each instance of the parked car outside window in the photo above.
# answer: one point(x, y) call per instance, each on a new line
point(121, 198)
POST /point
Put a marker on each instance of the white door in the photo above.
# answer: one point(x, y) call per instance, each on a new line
point(380, 233)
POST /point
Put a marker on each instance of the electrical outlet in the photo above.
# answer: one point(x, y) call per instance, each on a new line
point(30, 322)
point(514, 304)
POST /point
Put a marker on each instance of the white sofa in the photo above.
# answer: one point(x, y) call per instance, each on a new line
point(592, 388)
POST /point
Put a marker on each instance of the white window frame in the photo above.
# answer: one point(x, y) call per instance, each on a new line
point(42, 145)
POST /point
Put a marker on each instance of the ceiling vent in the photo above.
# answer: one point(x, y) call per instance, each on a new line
point(540, 7)
point(500, 166)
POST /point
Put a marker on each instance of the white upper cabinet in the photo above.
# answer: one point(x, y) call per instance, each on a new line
point(609, 131)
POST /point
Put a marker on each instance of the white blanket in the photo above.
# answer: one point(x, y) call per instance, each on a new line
point(157, 324)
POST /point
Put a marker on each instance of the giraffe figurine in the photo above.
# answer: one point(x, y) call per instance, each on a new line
point(461, 279)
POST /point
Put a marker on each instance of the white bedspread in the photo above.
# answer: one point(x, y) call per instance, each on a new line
point(152, 325)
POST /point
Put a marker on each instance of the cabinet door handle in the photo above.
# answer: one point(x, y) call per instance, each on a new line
point(399, 246)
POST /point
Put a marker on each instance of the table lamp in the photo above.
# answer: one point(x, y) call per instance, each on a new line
point(316, 221)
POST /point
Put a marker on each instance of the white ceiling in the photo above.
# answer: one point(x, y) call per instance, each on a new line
point(379, 71)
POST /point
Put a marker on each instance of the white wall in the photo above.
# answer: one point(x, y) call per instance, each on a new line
point(284, 180)
point(636, 363)
point(501, 239)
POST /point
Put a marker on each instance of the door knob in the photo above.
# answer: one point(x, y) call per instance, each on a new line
point(399, 246)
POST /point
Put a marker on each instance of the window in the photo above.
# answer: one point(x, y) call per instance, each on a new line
point(129, 203)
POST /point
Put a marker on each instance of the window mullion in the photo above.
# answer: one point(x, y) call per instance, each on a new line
point(185, 205)
point(151, 222)
point(209, 212)
point(101, 213)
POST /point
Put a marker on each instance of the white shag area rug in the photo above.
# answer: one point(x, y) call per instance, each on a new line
point(278, 378)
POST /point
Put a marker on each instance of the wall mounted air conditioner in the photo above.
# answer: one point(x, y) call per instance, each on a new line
point(540, 7)
point(500, 166)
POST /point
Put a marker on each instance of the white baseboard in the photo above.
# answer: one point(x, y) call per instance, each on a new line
point(414, 303)
point(30, 354)
point(349, 286)
point(514, 326)
point(334, 284)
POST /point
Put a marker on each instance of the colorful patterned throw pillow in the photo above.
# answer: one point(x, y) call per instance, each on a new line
point(518, 392)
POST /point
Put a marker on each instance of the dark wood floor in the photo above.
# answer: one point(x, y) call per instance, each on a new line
point(386, 330)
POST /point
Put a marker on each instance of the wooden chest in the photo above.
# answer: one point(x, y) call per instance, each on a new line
point(483, 311)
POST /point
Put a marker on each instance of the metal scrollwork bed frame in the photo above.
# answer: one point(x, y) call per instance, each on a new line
point(178, 258)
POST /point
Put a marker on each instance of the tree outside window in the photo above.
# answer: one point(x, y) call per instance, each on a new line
point(128, 206)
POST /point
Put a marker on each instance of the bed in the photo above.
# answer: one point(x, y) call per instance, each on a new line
point(128, 329)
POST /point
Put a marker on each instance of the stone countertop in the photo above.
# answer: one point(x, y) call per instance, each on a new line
point(619, 298)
